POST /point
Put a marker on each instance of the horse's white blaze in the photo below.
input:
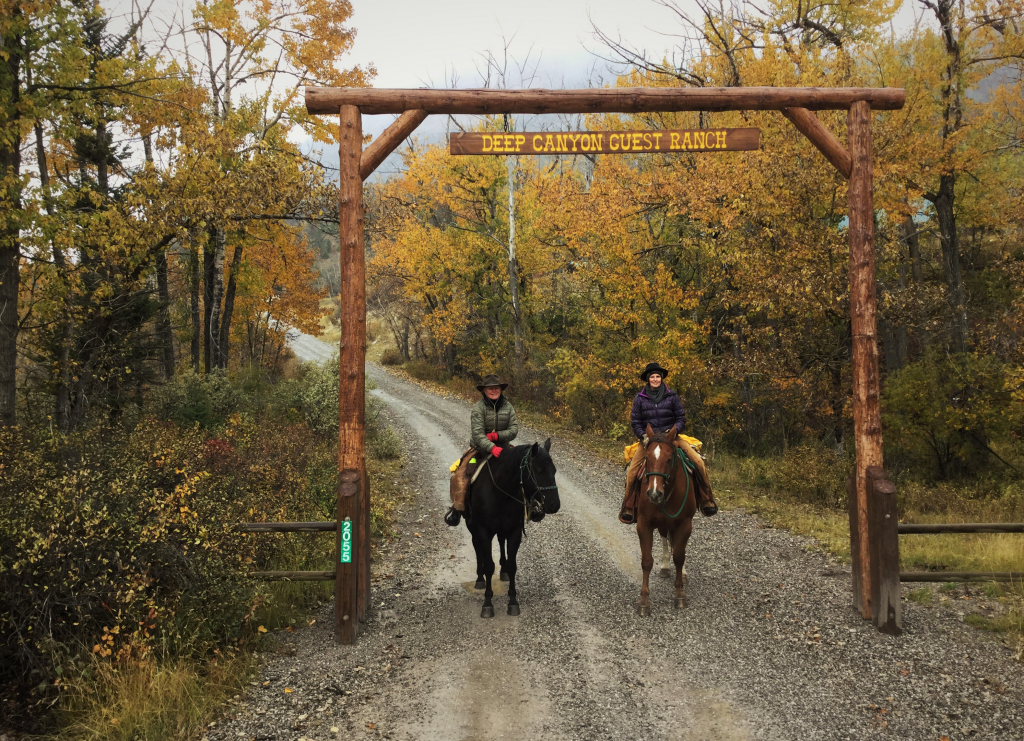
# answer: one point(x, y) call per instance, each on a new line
point(657, 452)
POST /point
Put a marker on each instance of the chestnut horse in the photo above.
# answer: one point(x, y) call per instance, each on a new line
point(668, 505)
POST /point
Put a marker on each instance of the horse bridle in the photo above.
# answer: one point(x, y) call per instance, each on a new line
point(668, 478)
point(524, 467)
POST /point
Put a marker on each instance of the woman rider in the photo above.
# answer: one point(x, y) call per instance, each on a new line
point(493, 425)
point(660, 407)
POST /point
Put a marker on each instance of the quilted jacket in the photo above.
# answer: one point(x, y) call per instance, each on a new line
point(493, 416)
point(660, 416)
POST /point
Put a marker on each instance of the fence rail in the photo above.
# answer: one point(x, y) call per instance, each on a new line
point(293, 575)
point(965, 527)
point(288, 527)
point(948, 576)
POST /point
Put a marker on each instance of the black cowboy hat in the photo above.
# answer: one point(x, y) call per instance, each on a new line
point(652, 368)
point(491, 380)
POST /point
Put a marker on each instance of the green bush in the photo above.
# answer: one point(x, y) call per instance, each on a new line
point(391, 356)
point(811, 473)
point(118, 544)
point(191, 398)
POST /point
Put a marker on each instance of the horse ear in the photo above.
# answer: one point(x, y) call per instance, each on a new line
point(650, 432)
point(547, 445)
point(672, 434)
point(535, 446)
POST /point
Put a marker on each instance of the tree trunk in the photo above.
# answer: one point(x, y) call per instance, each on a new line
point(193, 290)
point(10, 237)
point(513, 274)
point(164, 333)
point(229, 306)
point(943, 202)
point(217, 295)
point(208, 250)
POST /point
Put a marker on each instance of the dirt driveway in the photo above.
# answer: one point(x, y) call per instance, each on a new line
point(769, 647)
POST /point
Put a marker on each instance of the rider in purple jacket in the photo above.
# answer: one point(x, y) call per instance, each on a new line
point(660, 407)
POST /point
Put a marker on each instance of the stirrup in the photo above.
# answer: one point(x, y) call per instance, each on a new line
point(452, 517)
point(626, 517)
point(709, 510)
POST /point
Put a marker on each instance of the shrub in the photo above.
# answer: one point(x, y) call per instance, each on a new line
point(191, 398)
point(426, 371)
point(391, 356)
point(811, 473)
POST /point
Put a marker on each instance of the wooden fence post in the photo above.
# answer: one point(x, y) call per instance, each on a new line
point(351, 588)
point(867, 417)
point(886, 607)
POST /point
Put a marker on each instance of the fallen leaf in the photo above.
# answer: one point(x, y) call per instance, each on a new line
point(371, 726)
point(261, 629)
point(288, 690)
point(311, 621)
point(417, 535)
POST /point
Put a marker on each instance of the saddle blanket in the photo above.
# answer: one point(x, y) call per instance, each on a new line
point(630, 450)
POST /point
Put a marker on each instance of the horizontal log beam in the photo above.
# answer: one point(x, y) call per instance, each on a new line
point(809, 125)
point(964, 527)
point(391, 138)
point(599, 100)
point(288, 527)
point(293, 575)
point(961, 576)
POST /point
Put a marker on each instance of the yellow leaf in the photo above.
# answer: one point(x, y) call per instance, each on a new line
point(261, 629)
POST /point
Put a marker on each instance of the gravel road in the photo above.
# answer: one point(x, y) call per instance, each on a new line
point(308, 348)
point(769, 647)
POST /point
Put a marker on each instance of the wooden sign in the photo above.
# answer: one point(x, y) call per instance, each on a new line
point(605, 142)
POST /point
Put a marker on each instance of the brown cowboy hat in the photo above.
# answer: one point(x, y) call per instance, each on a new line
point(491, 380)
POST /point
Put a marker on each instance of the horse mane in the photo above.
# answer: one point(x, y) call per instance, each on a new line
point(659, 437)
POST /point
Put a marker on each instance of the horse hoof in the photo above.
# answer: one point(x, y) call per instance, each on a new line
point(513, 610)
point(487, 611)
point(643, 610)
point(679, 602)
point(665, 573)
point(480, 584)
point(503, 576)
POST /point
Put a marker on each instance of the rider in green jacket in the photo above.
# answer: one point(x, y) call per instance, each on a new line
point(493, 426)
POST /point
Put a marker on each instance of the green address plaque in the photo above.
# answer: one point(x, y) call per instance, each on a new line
point(346, 540)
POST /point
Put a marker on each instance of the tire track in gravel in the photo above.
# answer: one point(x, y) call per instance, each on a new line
point(769, 647)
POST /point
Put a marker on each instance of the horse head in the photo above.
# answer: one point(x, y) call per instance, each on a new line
point(660, 463)
point(543, 468)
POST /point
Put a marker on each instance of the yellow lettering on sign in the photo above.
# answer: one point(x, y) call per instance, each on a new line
point(509, 141)
point(720, 139)
point(648, 142)
point(599, 141)
point(687, 144)
point(673, 140)
point(585, 142)
point(700, 140)
point(520, 140)
point(538, 142)
point(613, 142)
point(625, 142)
point(562, 143)
point(487, 142)
point(636, 141)
point(573, 138)
point(657, 140)
point(549, 143)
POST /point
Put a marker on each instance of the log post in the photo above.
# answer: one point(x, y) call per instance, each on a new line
point(867, 417)
point(351, 586)
point(887, 610)
point(855, 557)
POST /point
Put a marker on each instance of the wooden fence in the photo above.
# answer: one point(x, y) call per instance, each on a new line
point(291, 527)
point(965, 527)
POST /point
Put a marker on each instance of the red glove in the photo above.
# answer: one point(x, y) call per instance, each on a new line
point(492, 436)
point(496, 451)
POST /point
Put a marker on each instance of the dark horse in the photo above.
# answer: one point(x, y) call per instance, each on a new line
point(668, 504)
point(501, 499)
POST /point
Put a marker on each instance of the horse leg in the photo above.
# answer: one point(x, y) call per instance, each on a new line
point(646, 534)
point(665, 558)
point(680, 539)
point(511, 567)
point(502, 560)
point(478, 548)
point(487, 611)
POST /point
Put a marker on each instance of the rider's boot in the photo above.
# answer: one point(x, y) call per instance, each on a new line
point(536, 511)
point(459, 488)
point(452, 517)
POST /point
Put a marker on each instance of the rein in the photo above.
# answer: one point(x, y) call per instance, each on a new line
point(688, 468)
point(524, 467)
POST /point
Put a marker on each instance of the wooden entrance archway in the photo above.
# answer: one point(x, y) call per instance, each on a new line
point(873, 525)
